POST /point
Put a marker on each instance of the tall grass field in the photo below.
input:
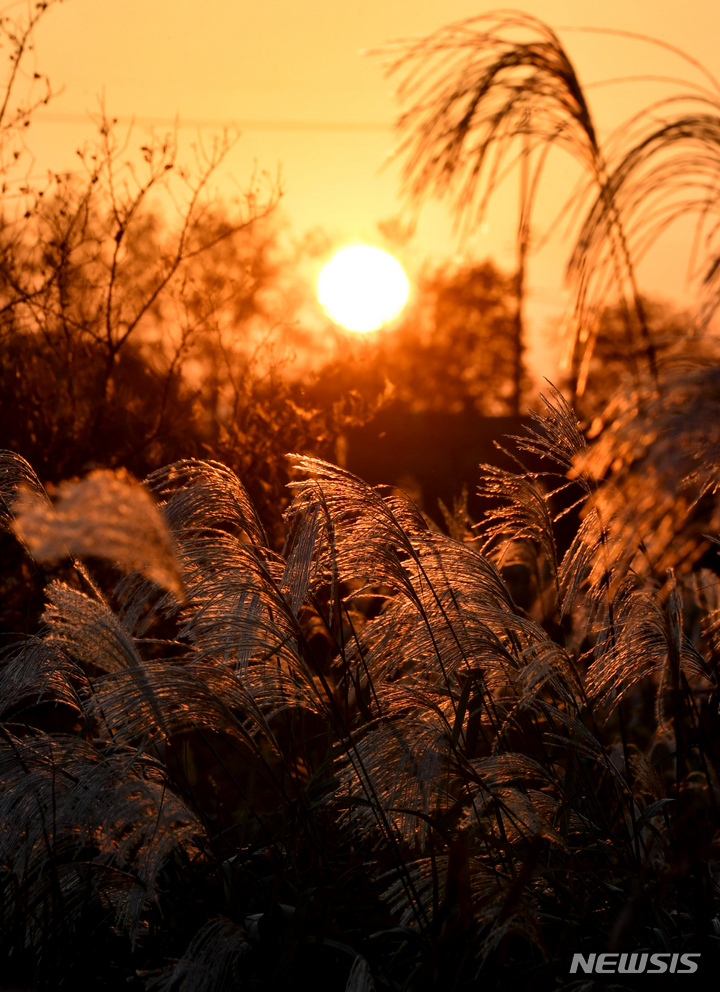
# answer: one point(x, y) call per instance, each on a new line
point(386, 758)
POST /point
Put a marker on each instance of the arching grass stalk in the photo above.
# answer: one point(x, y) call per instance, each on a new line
point(481, 88)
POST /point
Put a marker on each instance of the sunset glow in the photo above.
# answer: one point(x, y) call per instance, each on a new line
point(411, 630)
point(362, 288)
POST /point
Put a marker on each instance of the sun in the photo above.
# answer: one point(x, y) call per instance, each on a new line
point(362, 288)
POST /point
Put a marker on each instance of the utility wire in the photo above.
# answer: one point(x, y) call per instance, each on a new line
point(203, 122)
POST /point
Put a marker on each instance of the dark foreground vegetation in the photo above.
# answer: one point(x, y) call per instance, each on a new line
point(385, 758)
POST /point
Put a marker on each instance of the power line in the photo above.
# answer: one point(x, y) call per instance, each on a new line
point(205, 122)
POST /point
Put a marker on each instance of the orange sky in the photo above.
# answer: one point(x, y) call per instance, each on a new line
point(290, 74)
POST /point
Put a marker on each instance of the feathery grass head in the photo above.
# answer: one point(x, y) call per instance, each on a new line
point(106, 514)
point(475, 88)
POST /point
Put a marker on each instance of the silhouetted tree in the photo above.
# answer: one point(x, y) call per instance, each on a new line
point(455, 350)
point(475, 351)
point(130, 337)
point(616, 359)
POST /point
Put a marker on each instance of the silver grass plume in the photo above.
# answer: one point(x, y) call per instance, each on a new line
point(655, 464)
point(107, 515)
point(14, 473)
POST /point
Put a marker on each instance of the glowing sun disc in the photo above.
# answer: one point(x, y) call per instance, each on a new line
point(362, 288)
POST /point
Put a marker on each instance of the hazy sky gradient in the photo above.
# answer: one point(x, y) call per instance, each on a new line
point(298, 63)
